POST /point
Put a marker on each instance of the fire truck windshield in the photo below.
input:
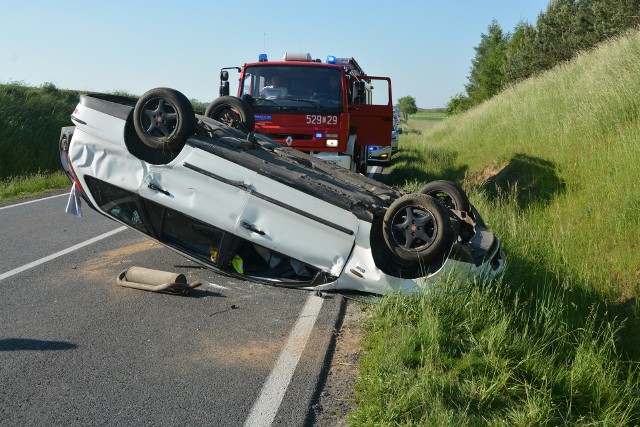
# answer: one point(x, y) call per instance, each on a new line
point(300, 87)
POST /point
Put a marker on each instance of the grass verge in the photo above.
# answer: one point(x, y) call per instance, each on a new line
point(32, 185)
point(493, 355)
point(550, 164)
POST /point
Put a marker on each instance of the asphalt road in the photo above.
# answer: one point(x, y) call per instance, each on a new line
point(78, 349)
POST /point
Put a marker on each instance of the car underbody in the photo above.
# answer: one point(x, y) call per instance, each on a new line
point(246, 206)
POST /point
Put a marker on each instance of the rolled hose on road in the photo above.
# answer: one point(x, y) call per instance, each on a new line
point(155, 280)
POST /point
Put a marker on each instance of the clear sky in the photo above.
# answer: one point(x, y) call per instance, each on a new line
point(425, 46)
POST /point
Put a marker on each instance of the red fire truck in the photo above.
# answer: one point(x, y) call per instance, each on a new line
point(328, 109)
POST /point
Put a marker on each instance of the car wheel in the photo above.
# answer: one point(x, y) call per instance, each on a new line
point(449, 194)
point(233, 112)
point(416, 228)
point(164, 119)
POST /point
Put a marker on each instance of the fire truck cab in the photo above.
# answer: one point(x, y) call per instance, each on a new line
point(328, 109)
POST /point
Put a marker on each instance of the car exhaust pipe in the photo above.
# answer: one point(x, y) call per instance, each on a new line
point(155, 280)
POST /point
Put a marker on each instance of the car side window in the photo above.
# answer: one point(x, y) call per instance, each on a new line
point(117, 202)
point(197, 237)
point(155, 214)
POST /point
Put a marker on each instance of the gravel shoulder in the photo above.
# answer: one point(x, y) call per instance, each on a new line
point(336, 400)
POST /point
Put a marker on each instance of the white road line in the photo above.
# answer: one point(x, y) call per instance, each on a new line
point(374, 170)
point(33, 201)
point(59, 254)
point(266, 406)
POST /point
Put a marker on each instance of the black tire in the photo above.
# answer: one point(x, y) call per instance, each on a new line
point(361, 160)
point(449, 194)
point(233, 112)
point(362, 167)
point(163, 119)
point(416, 228)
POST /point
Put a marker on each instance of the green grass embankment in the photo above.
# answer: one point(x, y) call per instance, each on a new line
point(551, 165)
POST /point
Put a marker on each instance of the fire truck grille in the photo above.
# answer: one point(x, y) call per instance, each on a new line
point(295, 136)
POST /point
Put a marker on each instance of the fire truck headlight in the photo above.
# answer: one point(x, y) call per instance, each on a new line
point(332, 143)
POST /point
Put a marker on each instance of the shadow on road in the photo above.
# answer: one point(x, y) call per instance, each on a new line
point(14, 344)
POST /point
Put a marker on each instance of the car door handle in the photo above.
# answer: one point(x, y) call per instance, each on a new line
point(252, 228)
point(154, 187)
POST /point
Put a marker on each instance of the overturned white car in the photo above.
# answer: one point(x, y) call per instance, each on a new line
point(247, 206)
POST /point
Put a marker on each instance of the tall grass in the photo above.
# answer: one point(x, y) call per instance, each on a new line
point(38, 183)
point(487, 356)
point(30, 122)
point(566, 147)
point(551, 165)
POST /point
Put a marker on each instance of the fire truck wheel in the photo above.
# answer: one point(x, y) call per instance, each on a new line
point(233, 112)
point(163, 119)
point(416, 228)
point(362, 167)
point(449, 194)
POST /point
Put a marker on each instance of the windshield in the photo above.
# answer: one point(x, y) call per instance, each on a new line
point(294, 88)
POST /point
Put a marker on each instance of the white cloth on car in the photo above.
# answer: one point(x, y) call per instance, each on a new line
point(74, 204)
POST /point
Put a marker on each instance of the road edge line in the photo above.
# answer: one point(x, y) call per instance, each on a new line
point(33, 201)
point(266, 406)
point(60, 253)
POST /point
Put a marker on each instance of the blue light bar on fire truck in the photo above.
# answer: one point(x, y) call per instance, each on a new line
point(340, 61)
point(262, 57)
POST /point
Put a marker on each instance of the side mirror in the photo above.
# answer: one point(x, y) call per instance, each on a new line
point(224, 88)
point(358, 92)
point(224, 75)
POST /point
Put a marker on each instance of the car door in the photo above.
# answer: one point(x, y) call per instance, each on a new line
point(200, 185)
point(371, 113)
point(298, 225)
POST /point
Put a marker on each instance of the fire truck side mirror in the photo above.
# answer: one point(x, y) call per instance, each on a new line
point(358, 92)
point(224, 88)
point(224, 75)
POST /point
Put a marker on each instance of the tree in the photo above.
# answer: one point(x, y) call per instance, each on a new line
point(521, 54)
point(487, 68)
point(558, 37)
point(564, 29)
point(407, 105)
point(458, 104)
point(600, 20)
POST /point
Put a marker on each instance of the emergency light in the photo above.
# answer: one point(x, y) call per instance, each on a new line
point(262, 57)
point(331, 59)
point(297, 56)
